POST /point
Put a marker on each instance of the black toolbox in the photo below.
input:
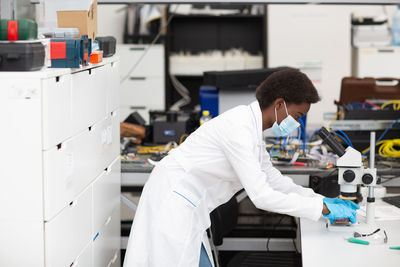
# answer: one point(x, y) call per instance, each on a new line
point(107, 44)
point(16, 56)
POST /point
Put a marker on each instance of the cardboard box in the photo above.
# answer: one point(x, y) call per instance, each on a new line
point(84, 20)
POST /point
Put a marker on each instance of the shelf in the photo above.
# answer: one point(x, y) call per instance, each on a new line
point(207, 16)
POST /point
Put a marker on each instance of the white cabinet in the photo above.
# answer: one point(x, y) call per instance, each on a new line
point(60, 173)
point(144, 88)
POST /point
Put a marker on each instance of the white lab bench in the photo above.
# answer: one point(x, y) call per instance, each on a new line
point(60, 167)
point(322, 247)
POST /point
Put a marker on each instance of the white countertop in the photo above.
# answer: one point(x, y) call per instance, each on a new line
point(323, 247)
point(52, 72)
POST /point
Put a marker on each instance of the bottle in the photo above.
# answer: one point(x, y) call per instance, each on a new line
point(396, 27)
point(205, 117)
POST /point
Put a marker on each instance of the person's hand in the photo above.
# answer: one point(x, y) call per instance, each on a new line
point(340, 209)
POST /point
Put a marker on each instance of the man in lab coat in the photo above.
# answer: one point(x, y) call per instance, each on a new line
point(220, 158)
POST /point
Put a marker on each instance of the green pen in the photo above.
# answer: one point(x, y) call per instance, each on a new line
point(394, 248)
point(357, 241)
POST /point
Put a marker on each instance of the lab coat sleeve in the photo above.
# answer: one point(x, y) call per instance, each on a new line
point(284, 183)
point(241, 150)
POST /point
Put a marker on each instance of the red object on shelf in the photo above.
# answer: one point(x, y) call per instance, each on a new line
point(58, 50)
point(12, 30)
point(96, 56)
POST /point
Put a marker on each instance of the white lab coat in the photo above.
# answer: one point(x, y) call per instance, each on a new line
point(223, 156)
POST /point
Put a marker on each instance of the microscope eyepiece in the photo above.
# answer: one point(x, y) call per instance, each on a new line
point(330, 140)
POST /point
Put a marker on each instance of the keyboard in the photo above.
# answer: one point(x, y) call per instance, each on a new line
point(395, 201)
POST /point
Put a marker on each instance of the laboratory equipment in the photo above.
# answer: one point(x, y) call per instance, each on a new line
point(59, 32)
point(22, 29)
point(107, 44)
point(352, 172)
point(169, 126)
point(370, 31)
point(21, 56)
point(70, 53)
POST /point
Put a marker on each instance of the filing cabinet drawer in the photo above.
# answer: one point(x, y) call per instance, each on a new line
point(70, 168)
point(69, 232)
point(106, 194)
point(56, 111)
point(116, 260)
point(112, 89)
point(141, 91)
point(85, 258)
point(151, 65)
point(88, 98)
point(107, 241)
point(107, 138)
point(111, 149)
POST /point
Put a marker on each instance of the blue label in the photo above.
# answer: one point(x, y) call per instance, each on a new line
point(169, 132)
point(96, 236)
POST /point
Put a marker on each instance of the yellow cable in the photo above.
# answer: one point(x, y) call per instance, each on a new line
point(388, 148)
point(395, 103)
point(181, 139)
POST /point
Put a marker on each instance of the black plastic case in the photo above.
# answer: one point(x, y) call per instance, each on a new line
point(107, 44)
point(21, 56)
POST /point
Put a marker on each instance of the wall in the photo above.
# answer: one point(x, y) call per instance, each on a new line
point(111, 20)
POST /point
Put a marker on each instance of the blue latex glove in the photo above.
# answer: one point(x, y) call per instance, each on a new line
point(348, 203)
point(340, 209)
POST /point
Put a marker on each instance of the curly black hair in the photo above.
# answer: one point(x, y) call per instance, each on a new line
point(290, 84)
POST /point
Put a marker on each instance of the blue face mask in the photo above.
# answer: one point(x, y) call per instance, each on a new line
point(288, 125)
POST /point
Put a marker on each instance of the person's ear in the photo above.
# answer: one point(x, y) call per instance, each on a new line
point(278, 103)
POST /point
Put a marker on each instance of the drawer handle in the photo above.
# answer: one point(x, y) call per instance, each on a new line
point(108, 221)
point(73, 203)
point(136, 48)
point(137, 107)
point(113, 260)
point(75, 263)
point(386, 50)
point(137, 78)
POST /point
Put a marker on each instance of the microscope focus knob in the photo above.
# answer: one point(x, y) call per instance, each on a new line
point(367, 178)
point(349, 176)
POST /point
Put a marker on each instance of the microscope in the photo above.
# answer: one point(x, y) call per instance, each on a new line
point(352, 173)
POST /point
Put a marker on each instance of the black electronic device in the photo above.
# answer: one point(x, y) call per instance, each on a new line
point(169, 126)
point(21, 56)
point(325, 184)
point(135, 118)
point(107, 44)
point(395, 200)
point(238, 79)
